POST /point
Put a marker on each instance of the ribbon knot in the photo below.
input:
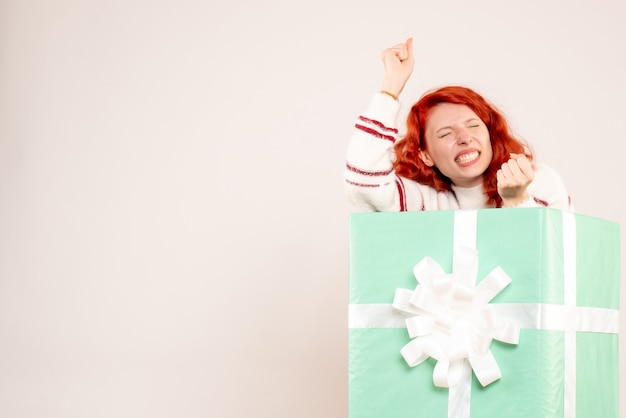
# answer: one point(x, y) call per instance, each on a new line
point(450, 318)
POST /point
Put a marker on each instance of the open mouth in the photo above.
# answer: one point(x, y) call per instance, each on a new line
point(467, 158)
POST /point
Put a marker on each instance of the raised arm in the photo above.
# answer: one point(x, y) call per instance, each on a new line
point(371, 183)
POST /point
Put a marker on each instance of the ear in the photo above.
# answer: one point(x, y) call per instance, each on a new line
point(426, 158)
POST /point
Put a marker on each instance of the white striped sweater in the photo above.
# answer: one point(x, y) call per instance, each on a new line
point(372, 184)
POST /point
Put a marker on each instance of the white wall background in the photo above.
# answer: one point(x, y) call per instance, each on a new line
point(173, 229)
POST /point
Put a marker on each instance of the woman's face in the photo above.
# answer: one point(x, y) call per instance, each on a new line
point(457, 143)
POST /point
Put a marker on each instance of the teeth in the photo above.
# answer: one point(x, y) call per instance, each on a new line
point(466, 158)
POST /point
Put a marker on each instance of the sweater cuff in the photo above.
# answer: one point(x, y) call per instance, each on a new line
point(385, 109)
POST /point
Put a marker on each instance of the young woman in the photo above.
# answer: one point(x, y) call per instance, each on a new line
point(457, 152)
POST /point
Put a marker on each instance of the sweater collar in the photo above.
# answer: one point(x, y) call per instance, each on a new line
point(470, 197)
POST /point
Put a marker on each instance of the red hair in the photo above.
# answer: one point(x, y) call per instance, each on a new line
point(408, 163)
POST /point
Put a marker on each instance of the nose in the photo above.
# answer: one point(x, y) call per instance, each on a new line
point(463, 137)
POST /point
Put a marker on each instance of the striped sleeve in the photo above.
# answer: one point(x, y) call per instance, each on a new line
point(371, 183)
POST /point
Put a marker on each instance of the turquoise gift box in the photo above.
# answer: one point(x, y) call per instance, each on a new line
point(563, 293)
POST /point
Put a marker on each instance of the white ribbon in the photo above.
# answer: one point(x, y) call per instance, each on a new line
point(452, 319)
point(544, 316)
point(569, 300)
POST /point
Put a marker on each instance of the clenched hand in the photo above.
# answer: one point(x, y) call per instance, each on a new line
point(513, 177)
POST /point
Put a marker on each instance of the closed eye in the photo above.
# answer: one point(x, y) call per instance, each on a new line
point(473, 123)
point(443, 135)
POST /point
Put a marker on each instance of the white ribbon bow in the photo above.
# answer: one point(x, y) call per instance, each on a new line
point(452, 319)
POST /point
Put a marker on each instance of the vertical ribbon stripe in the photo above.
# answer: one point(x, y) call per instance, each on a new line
point(459, 395)
point(569, 300)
